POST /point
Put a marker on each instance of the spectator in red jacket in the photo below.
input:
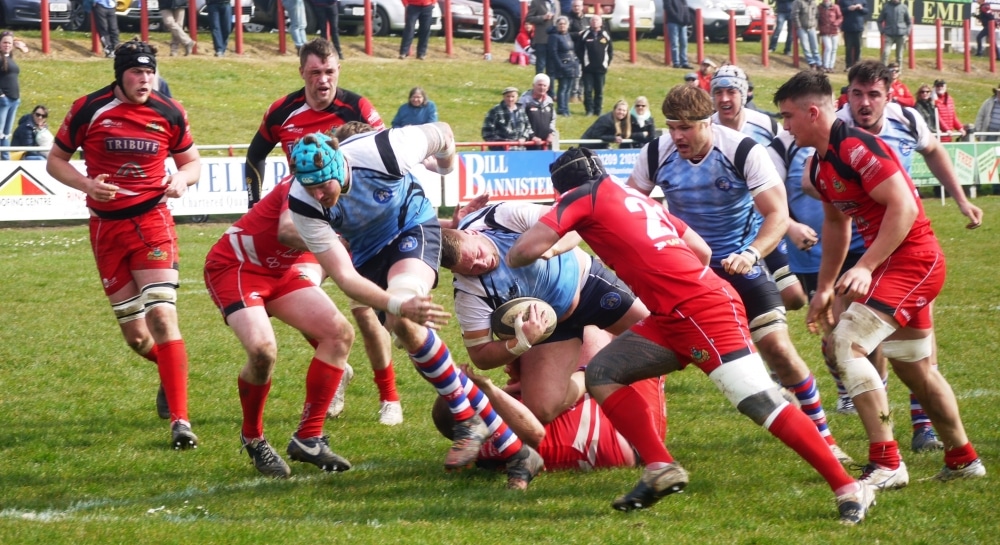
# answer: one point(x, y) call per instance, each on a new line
point(947, 116)
point(705, 73)
point(417, 11)
point(898, 91)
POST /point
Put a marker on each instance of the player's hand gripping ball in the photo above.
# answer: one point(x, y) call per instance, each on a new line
point(502, 320)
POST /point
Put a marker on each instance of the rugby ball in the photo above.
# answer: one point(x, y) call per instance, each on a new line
point(502, 320)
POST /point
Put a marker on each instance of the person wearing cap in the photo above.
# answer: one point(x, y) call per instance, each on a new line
point(905, 130)
point(705, 72)
point(131, 229)
point(898, 91)
point(321, 105)
point(376, 204)
point(540, 111)
point(507, 121)
point(947, 115)
point(988, 118)
point(691, 78)
point(259, 268)
point(695, 318)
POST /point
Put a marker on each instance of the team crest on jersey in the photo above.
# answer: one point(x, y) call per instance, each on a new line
point(905, 149)
point(382, 195)
point(838, 185)
point(611, 301)
point(699, 355)
point(723, 184)
point(157, 254)
point(407, 244)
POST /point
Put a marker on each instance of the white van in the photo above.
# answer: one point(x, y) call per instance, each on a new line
point(615, 13)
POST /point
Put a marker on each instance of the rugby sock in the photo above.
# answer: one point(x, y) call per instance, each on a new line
point(172, 363)
point(151, 355)
point(960, 457)
point(633, 418)
point(385, 379)
point(809, 400)
point(884, 454)
point(322, 381)
point(797, 431)
point(433, 362)
point(918, 417)
point(503, 439)
point(252, 399)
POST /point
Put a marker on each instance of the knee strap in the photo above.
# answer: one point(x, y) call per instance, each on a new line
point(767, 323)
point(159, 293)
point(129, 309)
point(908, 351)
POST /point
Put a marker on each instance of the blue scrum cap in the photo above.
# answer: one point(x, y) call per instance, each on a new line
point(316, 162)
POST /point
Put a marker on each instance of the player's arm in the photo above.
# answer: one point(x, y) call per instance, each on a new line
point(254, 170)
point(489, 354)
point(836, 242)
point(188, 173)
point(476, 203)
point(59, 167)
point(514, 413)
point(807, 187)
point(531, 245)
point(287, 234)
point(440, 146)
point(940, 166)
point(772, 204)
point(698, 246)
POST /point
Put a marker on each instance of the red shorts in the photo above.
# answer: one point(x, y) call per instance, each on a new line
point(904, 286)
point(147, 241)
point(233, 288)
point(708, 331)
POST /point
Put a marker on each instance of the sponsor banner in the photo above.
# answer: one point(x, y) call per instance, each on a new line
point(952, 13)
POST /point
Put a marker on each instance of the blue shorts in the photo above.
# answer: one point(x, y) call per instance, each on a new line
point(604, 299)
point(422, 242)
point(757, 289)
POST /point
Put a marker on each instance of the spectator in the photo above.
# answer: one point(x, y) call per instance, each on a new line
point(947, 116)
point(539, 109)
point(220, 22)
point(578, 22)
point(643, 124)
point(10, 90)
point(33, 131)
point(805, 16)
point(565, 67)
point(523, 52)
point(506, 122)
point(894, 22)
point(417, 11)
point(542, 15)
point(106, 20)
point(855, 14)
point(984, 15)
point(783, 14)
point(926, 106)
point(705, 73)
point(595, 52)
point(679, 18)
point(988, 117)
point(842, 99)
point(328, 22)
point(172, 12)
point(691, 78)
point(296, 22)
point(417, 111)
point(830, 18)
point(898, 91)
point(612, 127)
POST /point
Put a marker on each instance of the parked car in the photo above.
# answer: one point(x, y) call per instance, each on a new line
point(387, 16)
point(616, 14)
point(755, 9)
point(714, 16)
point(247, 9)
point(466, 16)
point(129, 15)
point(28, 13)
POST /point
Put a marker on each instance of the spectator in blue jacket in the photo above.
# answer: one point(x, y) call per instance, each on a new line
point(783, 15)
point(417, 111)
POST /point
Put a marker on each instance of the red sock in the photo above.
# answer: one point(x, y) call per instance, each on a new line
point(885, 454)
point(151, 355)
point(633, 418)
point(321, 383)
point(960, 457)
point(252, 398)
point(798, 431)
point(172, 364)
point(385, 379)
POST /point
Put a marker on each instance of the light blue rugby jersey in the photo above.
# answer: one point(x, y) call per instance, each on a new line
point(555, 281)
point(757, 125)
point(385, 197)
point(711, 196)
point(904, 129)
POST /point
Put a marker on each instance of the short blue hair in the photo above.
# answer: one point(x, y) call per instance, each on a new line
point(315, 161)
